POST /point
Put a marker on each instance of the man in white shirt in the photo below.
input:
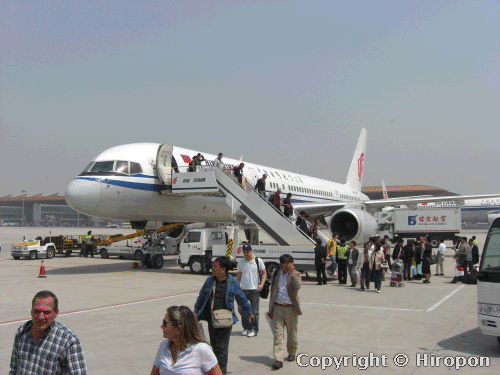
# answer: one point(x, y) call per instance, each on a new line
point(252, 276)
point(440, 258)
point(218, 162)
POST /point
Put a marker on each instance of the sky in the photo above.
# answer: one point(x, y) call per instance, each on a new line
point(287, 84)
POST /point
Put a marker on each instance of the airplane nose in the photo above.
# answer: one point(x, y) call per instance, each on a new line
point(83, 195)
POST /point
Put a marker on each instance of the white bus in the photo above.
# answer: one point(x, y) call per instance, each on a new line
point(488, 284)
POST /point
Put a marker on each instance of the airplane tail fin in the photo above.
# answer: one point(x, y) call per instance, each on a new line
point(355, 176)
point(384, 190)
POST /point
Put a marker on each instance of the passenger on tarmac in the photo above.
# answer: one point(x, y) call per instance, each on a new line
point(352, 260)
point(184, 350)
point(218, 162)
point(440, 258)
point(44, 346)
point(218, 293)
point(474, 250)
point(407, 256)
point(331, 249)
point(377, 259)
point(251, 273)
point(364, 267)
point(320, 262)
point(426, 260)
point(396, 253)
point(284, 308)
point(287, 205)
point(260, 186)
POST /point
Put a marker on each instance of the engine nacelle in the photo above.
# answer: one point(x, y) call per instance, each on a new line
point(353, 224)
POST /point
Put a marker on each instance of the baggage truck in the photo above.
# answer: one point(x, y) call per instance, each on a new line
point(437, 223)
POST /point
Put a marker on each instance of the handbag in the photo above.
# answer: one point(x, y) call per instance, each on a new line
point(221, 318)
point(264, 293)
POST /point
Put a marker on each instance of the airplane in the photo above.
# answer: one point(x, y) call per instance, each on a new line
point(131, 183)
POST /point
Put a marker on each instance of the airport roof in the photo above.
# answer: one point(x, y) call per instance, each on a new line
point(53, 197)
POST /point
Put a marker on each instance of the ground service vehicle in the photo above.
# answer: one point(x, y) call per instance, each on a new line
point(201, 246)
point(488, 284)
point(34, 249)
point(136, 249)
point(438, 223)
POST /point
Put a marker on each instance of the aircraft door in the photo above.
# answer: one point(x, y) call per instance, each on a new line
point(164, 163)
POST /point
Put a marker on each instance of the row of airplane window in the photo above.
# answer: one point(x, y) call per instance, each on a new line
point(299, 189)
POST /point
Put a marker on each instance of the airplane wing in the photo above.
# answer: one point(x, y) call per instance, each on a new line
point(414, 201)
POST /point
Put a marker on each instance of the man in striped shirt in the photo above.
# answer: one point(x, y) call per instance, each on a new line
point(44, 346)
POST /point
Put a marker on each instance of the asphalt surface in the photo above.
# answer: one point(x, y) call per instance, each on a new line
point(116, 311)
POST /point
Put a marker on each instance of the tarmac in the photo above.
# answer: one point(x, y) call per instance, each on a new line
point(116, 311)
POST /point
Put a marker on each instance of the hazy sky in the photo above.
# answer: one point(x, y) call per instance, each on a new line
point(288, 84)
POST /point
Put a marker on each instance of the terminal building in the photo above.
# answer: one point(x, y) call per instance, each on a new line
point(44, 211)
point(52, 210)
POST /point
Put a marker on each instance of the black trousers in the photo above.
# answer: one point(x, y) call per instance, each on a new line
point(219, 340)
point(342, 271)
point(321, 271)
point(365, 276)
point(89, 250)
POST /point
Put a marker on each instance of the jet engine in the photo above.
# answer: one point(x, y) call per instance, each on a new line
point(353, 224)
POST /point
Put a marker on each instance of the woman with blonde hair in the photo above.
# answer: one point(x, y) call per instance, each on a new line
point(184, 350)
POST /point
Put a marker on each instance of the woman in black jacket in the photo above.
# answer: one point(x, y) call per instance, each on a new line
point(426, 261)
point(407, 255)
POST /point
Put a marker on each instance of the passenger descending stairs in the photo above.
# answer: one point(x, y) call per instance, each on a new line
point(263, 214)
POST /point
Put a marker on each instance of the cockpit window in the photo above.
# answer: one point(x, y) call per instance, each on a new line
point(121, 166)
point(135, 168)
point(103, 166)
point(89, 166)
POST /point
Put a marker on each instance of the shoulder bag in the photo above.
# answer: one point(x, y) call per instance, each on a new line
point(264, 293)
point(221, 318)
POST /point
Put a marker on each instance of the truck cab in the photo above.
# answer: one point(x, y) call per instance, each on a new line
point(196, 249)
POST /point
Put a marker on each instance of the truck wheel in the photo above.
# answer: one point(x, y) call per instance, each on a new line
point(104, 254)
point(138, 255)
point(50, 253)
point(16, 258)
point(196, 265)
point(271, 268)
point(157, 261)
point(149, 262)
point(434, 242)
point(33, 255)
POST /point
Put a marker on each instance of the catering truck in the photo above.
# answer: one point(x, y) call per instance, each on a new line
point(437, 223)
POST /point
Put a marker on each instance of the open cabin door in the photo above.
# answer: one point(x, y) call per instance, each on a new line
point(164, 164)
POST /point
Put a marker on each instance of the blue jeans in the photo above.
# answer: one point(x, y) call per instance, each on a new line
point(254, 298)
point(378, 278)
point(332, 267)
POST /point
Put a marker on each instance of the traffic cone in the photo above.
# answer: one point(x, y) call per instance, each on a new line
point(42, 271)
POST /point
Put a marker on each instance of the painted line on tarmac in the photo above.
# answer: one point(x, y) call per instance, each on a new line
point(360, 307)
point(444, 299)
point(1, 260)
point(106, 307)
